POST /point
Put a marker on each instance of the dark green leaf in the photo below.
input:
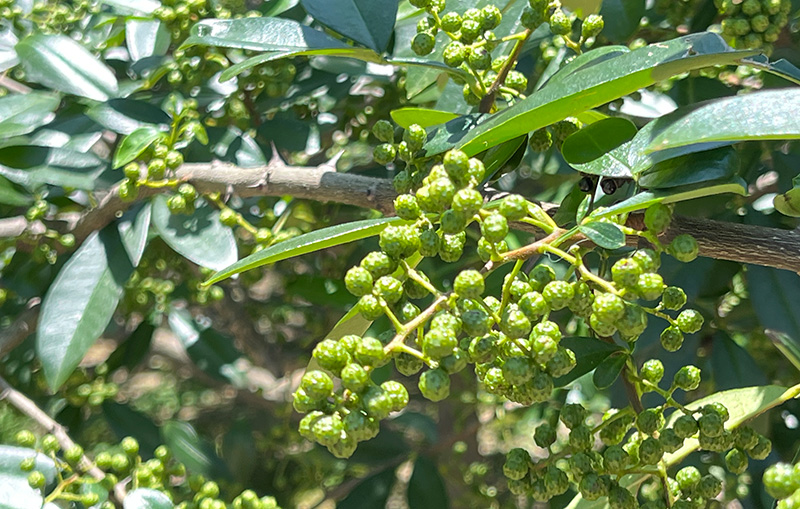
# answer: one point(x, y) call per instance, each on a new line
point(146, 498)
point(608, 371)
point(426, 488)
point(589, 353)
point(614, 164)
point(15, 493)
point(190, 449)
point(133, 227)
point(711, 165)
point(33, 166)
point(597, 139)
point(229, 145)
point(503, 158)
point(370, 493)
point(731, 364)
point(134, 144)
point(307, 243)
point(766, 115)
point(125, 421)
point(200, 237)
point(425, 117)
point(9, 195)
point(21, 114)
point(605, 235)
point(80, 303)
point(774, 294)
point(584, 61)
point(370, 22)
point(125, 116)
point(785, 345)
point(60, 63)
point(146, 38)
point(586, 89)
point(275, 7)
point(788, 203)
point(130, 353)
point(782, 67)
point(621, 18)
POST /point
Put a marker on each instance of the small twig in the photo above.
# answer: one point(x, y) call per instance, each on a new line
point(488, 100)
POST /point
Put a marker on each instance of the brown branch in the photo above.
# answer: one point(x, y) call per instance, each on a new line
point(30, 409)
point(21, 328)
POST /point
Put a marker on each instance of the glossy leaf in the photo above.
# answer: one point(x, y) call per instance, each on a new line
point(644, 199)
point(133, 350)
point(586, 89)
point(21, 114)
point(589, 353)
point(200, 236)
point(781, 67)
point(125, 116)
point(605, 235)
point(133, 226)
point(307, 243)
point(608, 371)
point(146, 498)
point(9, 195)
point(371, 492)
point(585, 60)
point(146, 38)
point(774, 295)
point(8, 57)
point(788, 203)
point(275, 7)
point(134, 144)
point(79, 304)
point(711, 165)
point(425, 117)
point(33, 166)
point(621, 18)
point(15, 493)
point(369, 22)
point(597, 139)
point(766, 115)
point(60, 63)
point(786, 346)
point(426, 488)
point(503, 158)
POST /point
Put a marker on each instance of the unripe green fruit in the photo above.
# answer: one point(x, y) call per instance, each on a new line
point(434, 384)
point(516, 464)
point(514, 323)
point(494, 227)
point(317, 384)
point(36, 480)
point(558, 294)
point(671, 339)
point(709, 486)
point(389, 289)
point(132, 171)
point(540, 275)
point(762, 448)
point(467, 202)
point(469, 284)
point(780, 480)
point(657, 218)
point(73, 454)
point(540, 140)
point(670, 441)
point(736, 461)
point(420, 4)
point(384, 131)
point(650, 285)
point(378, 264)
point(480, 59)
point(25, 438)
point(358, 281)
point(50, 444)
point(327, 430)
point(683, 248)
point(689, 321)
point(176, 203)
point(517, 81)
point(384, 153)
point(438, 343)
point(573, 415)
point(228, 217)
point(592, 26)
point(560, 23)
point(156, 169)
point(685, 426)
point(173, 159)
point(687, 378)
point(673, 298)
point(354, 377)
point(455, 53)
point(608, 307)
point(369, 352)
point(649, 421)
point(470, 31)
point(653, 371)
point(423, 43)
point(451, 22)
point(647, 259)
point(650, 451)
point(414, 136)
point(27, 464)
point(751, 7)
point(625, 272)
point(514, 207)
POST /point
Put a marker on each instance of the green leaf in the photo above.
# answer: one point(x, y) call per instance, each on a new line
point(605, 235)
point(742, 404)
point(597, 139)
point(426, 488)
point(33, 166)
point(134, 144)
point(15, 493)
point(275, 7)
point(147, 498)
point(307, 243)
point(133, 350)
point(370, 22)
point(125, 116)
point(644, 199)
point(146, 38)
point(503, 158)
point(21, 114)
point(133, 226)
point(8, 57)
point(774, 294)
point(9, 195)
point(200, 237)
point(425, 117)
point(586, 89)
point(781, 67)
point(192, 450)
point(621, 18)
point(589, 353)
point(133, 6)
point(711, 165)
point(79, 304)
point(608, 371)
point(278, 36)
point(371, 492)
point(585, 60)
point(785, 345)
point(124, 421)
point(613, 164)
point(60, 63)
point(766, 115)
point(788, 203)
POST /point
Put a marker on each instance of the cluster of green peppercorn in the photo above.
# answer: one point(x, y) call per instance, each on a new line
point(782, 481)
point(754, 23)
point(123, 464)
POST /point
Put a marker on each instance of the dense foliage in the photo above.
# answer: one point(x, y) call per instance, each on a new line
point(426, 253)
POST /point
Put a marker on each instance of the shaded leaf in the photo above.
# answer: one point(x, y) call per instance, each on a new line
point(200, 236)
point(785, 345)
point(190, 449)
point(503, 158)
point(711, 165)
point(781, 67)
point(146, 38)
point(371, 492)
point(605, 235)
point(589, 353)
point(15, 493)
point(307, 243)
point(134, 144)
point(425, 117)
point(60, 63)
point(32, 166)
point(621, 18)
point(426, 488)
point(788, 203)
point(586, 89)
point(597, 139)
point(774, 294)
point(370, 22)
point(124, 421)
point(608, 371)
point(146, 498)
point(79, 304)
point(9, 195)
point(133, 350)
point(21, 114)
point(125, 116)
